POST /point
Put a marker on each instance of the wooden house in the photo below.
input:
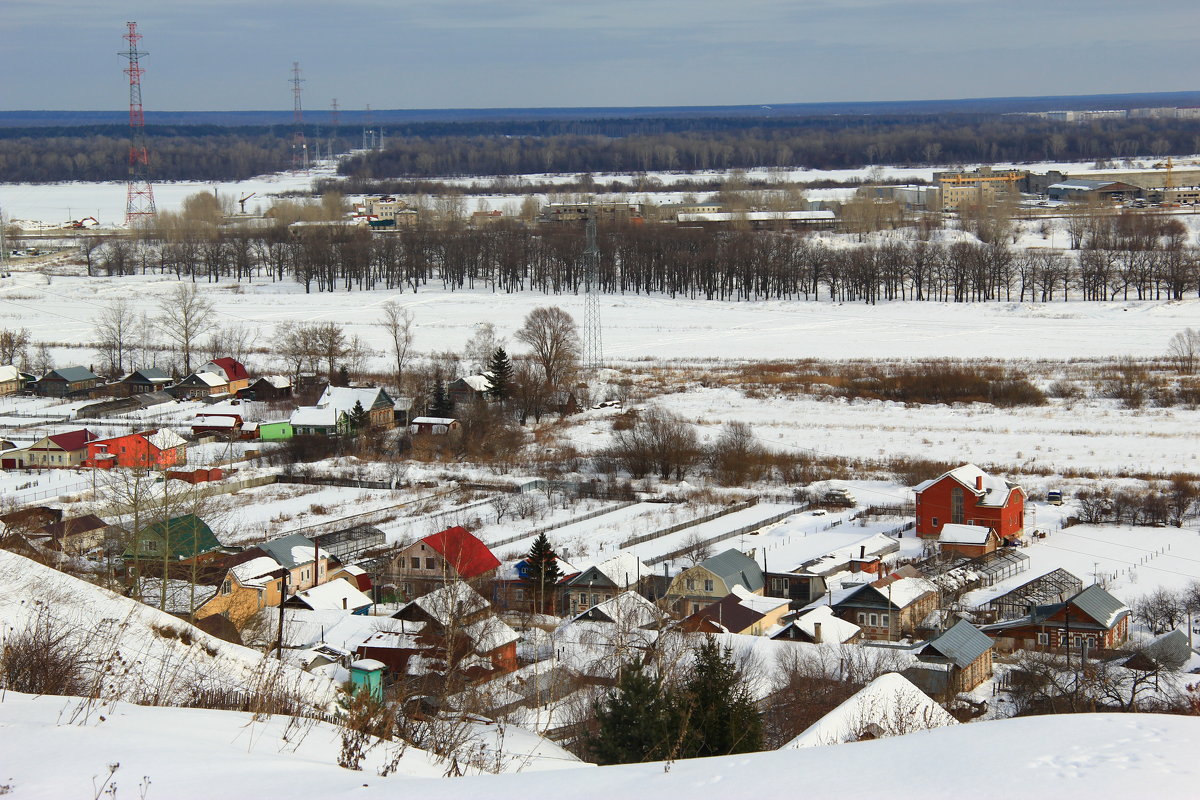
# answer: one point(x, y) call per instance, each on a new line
point(200, 385)
point(889, 608)
point(252, 581)
point(966, 654)
point(598, 583)
point(65, 450)
point(145, 380)
point(1092, 617)
point(275, 431)
point(269, 389)
point(11, 381)
point(448, 556)
point(818, 625)
point(469, 389)
point(712, 579)
point(67, 382)
point(166, 544)
point(306, 562)
point(433, 426)
point(741, 611)
point(969, 496)
point(231, 370)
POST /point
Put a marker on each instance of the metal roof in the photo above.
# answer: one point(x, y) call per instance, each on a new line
point(1099, 605)
point(73, 374)
point(961, 644)
point(734, 567)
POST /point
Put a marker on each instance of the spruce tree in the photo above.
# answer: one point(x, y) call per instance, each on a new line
point(722, 717)
point(358, 417)
point(543, 572)
point(638, 720)
point(439, 401)
point(500, 379)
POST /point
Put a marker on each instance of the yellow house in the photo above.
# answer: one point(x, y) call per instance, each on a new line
point(711, 580)
point(246, 589)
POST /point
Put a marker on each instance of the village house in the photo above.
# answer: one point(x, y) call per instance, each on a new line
point(969, 496)
point(11, 381)
point(199, 385)
point(512, 591)
point(712, 579)
point(1093, 617)
point(819, 625)
point(276, 430)
point(225, 426)
point(890, 608)
point(741, 612)
point(433, 426)
point(306, 563)
point(160, 449)
point(77, 535)
point(66, 382)
point(448, 556)
point(339, 594)
point(600, 582)
point(145, 380)
point(970, 541)
point(333, 414)
point(168, 544)
point(268, 389)
point(62, 450)
point(252, 581)
point(964, 652)
point(231, 370)
point(469, 389)
point(627, 611)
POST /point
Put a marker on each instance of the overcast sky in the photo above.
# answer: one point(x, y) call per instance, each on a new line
point(233, 55)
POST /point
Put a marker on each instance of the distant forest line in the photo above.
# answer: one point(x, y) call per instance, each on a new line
point(431, 149)
point(1126, 257)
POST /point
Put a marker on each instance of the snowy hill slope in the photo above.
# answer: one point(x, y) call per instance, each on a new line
point(133, 652)
point(187, 753)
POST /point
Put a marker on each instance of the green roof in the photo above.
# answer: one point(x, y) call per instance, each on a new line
point(961, 644)
point(734, 567)
point(186, 537)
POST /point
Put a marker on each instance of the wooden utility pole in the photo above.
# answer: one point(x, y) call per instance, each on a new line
point(282, 598)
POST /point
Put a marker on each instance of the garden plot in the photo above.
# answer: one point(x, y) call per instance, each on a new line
point(1130, 561)
point(716, 531)
point(806, 536)
point(612, 521)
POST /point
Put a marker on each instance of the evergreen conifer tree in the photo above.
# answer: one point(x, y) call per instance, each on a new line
point(358, 417)
point(500, 379)
point(439, 401)
point(721, 715)
point(543, 572)
point(638, 720)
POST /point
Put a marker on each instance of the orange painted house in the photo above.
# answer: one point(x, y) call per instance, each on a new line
point(147, 450)
point(969, 496)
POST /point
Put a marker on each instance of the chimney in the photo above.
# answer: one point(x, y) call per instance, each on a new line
point(979, 483)
point(817, 632)
point(862, 552)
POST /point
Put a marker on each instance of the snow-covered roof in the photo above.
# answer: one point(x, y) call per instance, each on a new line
point(9, 373)
point(994, 492)
point(890, 705)
point(757, 602)
point(833, 628)
point(905, 591)
point(166, 439)
point(480, 383)
point(627, 610)
point(251, 572)
point(433, 420)
point(447, 603)
point(344, 398)
point(368, 664)
point(278, 381)
point(333, 595)
point(489, 634)
point(955, 533)
point(314, 417)
point(210, 378)
point(214, 421)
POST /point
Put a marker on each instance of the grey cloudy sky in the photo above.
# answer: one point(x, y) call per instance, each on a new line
point(233, 55)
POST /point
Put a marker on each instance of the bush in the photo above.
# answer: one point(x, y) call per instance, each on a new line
point(43, 658)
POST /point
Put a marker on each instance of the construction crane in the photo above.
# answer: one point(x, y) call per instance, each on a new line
point(242, 202)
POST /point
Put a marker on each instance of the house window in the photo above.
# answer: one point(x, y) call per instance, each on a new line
point(956, 505)
point(779, 586)
point(430, 563)
point(406, 588)
point(935, 522)
point(691, 584)
point(226, 586)
point(520, 594)
point(874, 620)
point(862, 618)
point(415, 563)
point(1043, 638)
point(883, 620)
point(150, 545)
point(708, 585)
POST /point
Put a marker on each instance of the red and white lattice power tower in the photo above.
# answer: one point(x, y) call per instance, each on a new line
point(299, 145)
point(139, 194)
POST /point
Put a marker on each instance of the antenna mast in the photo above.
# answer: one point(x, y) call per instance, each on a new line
point(299, 145)
point(593, 348)
point(139, 194)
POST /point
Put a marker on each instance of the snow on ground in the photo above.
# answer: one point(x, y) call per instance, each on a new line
point(131, 650)
point(1129, 561)
point(721, 526)
point(51, 755)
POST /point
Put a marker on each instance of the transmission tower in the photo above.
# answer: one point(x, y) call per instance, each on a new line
point(139, 194)
point(335, 122)
point(593, 347)
point(299, 145)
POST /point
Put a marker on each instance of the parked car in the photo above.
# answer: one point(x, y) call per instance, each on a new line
point(840, 497)
point(1054, 497)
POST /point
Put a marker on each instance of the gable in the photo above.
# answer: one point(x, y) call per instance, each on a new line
point(464, 552)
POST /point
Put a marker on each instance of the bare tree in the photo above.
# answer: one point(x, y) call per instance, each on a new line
point(481, 346)
point(1184, 350)
point(184, 317)
point(551, 333)
point(114, 329)
point(1161, 610)
point(398, 322)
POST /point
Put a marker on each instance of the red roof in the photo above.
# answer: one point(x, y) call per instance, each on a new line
point(74, 440)
point(463, 551)
point(234, 371)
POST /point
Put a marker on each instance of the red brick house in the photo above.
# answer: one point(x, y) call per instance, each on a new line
point(146, 450)
point(969, 496)
point(1093, 617)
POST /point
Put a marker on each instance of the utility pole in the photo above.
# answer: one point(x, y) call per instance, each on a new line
point(282, 598)
point(299, 145)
